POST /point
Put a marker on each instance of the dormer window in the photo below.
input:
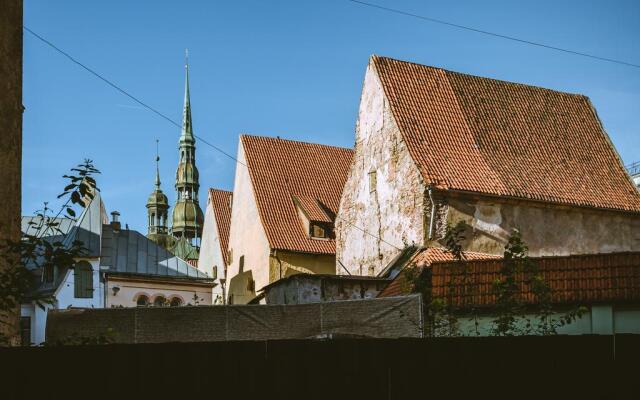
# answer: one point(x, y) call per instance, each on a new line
point(315, 217)
point(317, 231)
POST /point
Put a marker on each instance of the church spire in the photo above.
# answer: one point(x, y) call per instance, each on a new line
point(187, 215)
point(157, 167)
point(187, 129)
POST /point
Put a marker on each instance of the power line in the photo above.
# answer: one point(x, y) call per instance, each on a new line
point(121, 90)
point(512, 38)
point(124, 92)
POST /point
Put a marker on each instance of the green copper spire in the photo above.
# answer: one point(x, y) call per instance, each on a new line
point(187, 128)
point(157, 167)
point(157, 207)
point(187, 214)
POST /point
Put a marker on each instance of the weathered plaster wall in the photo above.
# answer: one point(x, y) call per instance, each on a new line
point(130, 289)
point(393, 210)
point(11, 136)
point(211, 252)
point(246, 238)
point(546, 229)
point(283, 264)
point(304, 290)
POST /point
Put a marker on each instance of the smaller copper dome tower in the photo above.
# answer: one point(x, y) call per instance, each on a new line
point(157, 210)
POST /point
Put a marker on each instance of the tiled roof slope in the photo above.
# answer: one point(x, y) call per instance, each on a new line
point(221, 202)
point(505, 139)
point(586, 279)
point(423, 259)
point(281, 168)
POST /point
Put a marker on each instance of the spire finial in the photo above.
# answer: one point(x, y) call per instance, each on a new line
point(157, 166)
point(186, 58)
point(187, 130)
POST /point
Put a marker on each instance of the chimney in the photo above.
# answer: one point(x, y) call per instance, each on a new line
point(115, 224)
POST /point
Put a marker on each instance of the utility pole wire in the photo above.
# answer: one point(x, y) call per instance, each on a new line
point(512, 38)
point(124, 92)
point(119, 89)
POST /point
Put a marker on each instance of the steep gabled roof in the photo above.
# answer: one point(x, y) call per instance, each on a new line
point(281, 168)
point(221, 203)
point(482, 135)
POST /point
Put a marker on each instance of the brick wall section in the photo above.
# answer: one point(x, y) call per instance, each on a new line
point(10, 130)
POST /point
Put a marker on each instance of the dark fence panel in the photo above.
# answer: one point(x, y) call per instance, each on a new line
point(520, 367)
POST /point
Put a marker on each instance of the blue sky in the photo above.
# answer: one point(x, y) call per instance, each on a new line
point(287, 68)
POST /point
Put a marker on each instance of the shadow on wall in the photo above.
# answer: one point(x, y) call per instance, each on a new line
point(242, 288)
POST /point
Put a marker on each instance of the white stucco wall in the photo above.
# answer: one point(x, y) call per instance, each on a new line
point(246, 238)
point(64, 297)
point(211, 251)
point(394, 210)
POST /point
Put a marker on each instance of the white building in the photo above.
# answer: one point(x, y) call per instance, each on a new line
point(133, 269)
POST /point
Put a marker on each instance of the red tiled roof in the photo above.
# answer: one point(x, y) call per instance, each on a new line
point(423, 259)
point(221, 203)
point(576, 279)
point(499, 138)
point(281, 168)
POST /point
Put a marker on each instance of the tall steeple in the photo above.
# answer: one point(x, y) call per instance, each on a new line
point(157, 208)
point(187, 214)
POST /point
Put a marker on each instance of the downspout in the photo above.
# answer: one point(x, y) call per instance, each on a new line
point(433, 211)
point(105, 287)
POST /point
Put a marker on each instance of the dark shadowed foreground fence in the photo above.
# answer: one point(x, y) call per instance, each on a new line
point(475, 368)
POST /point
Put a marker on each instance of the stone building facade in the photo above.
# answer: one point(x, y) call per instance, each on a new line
point(435, 147)
point(11, 133)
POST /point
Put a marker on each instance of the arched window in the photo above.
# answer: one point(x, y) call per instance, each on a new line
point(159, 301)
point(176, 302)
point(83, 280)
point(142, 301)
point(153, 219)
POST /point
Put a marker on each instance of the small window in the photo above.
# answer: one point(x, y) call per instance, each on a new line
point(318, 231)
point(83, 280)
point(176, 302)
point(230, 255)
point(142, 301)
point(160, 301)
point(241, 265)
point(373, 181)
point(251, 285)
point(25, 331)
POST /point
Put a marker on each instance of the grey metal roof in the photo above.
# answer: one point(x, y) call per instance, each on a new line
point(88, 228)
point(127, 251)
point(29, 226)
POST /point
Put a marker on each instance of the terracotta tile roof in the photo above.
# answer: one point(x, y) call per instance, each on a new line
point(499, 138)
point(221, 202)
point(281, 168)
point(576, 279)
point(312, 208)
point(423, 259)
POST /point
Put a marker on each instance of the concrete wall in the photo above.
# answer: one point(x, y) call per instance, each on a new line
point(546, 229)
point(246, 238)
point(393, 210)
point(11, 136)
point(130, 289)
point(605, 319)
point(211, 252)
